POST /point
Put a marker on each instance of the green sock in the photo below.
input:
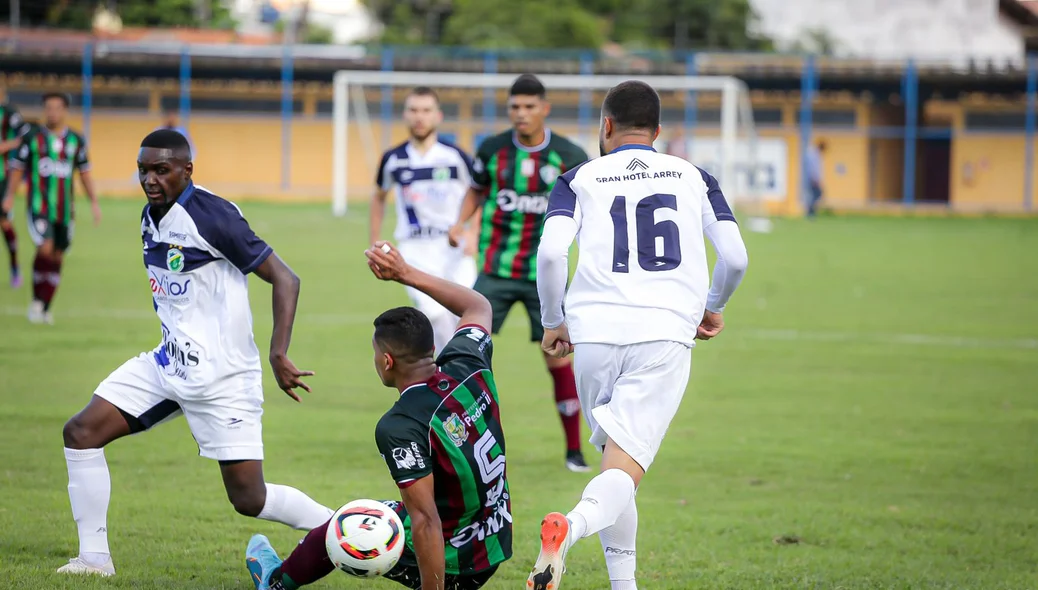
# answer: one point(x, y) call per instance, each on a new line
point(280, 581)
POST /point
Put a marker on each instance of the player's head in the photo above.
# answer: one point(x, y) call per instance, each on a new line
point(527, 105)
point(422, 112)
point(164, 166)
point(403, 341)
point(630, 113)
point(55, 109)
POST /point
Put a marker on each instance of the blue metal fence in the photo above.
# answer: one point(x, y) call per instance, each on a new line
point(910, 132)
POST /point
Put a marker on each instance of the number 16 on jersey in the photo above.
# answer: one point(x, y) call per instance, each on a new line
point(658, 243)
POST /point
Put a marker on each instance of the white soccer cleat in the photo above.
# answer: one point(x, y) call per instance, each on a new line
point(551, 562)
point(77, 566)
point(48, 318)
point(36, 313)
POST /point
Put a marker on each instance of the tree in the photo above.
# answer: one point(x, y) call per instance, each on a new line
point(531, 23)
point(145, 13)
point(690, 24)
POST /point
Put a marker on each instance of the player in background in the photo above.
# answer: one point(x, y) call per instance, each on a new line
point(514, 173)
point(12, 128)
point(639, 299)
point(442, 441)
point(46, 158)
point(198, 253)
point(431, 177)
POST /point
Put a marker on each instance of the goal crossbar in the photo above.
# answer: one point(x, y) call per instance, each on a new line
point(735, 105)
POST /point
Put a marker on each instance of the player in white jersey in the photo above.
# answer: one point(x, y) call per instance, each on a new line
point(198, 252)
point(431, 176)
point(639, 299)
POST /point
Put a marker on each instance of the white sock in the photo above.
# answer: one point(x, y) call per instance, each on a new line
point(444, 327)
point(89, 491)
point(604, 499)
point(293, 508)
point(618, 544)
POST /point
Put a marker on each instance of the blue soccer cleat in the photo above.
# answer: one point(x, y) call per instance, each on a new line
point(262, 560)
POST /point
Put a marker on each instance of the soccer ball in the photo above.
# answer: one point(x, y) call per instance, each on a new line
point(365, 538)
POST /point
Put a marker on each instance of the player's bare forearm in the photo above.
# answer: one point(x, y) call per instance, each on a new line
point(387, 264)
point(9, 145)
point(375, 216)
point(285, 296)
point(88, 185)
point(473, 201)
point(426, 532)
point(14, 180)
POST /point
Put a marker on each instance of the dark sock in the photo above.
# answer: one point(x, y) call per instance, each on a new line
point(51, 276)
point(308, 563)
point(567, 404)
point(12, 247)
point(40, 272)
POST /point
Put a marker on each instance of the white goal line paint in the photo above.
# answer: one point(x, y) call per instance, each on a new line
point(772, 335)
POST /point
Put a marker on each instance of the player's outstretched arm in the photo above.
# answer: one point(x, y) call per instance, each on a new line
point(387, 264)
point(285, 295)
point(88, 184)
point(426, 531)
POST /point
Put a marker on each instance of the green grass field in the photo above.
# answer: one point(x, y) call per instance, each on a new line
point(874, 400)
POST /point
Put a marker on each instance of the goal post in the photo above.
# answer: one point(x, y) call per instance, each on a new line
point(728, 134)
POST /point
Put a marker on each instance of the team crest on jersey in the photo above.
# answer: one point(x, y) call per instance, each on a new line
point(527, 168)
point(549, 173)
point(175, 259)
point(441, 174)
point(456, 430)
point(55, 145)
point(70, 150)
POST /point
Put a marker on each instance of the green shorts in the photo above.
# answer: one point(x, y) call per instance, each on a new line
point(41, 229)
point(504, 293)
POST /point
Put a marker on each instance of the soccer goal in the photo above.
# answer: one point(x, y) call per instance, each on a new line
point(707, 119)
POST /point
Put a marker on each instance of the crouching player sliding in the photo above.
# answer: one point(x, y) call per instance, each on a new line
point(442, 441)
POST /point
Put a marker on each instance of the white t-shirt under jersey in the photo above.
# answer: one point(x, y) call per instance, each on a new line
point(639, 218)
point(198, 257)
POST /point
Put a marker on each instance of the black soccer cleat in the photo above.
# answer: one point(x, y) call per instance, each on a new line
point(575, 462)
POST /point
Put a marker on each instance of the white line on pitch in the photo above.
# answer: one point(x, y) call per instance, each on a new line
point(355, 319)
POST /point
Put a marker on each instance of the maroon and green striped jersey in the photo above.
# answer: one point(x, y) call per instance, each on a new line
point(449, 427)
point(48, 160)
point(517, 180)
point(12, 126)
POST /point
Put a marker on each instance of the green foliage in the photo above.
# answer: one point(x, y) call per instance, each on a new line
point(661, 24)
point(532, 23)
point(143, 13)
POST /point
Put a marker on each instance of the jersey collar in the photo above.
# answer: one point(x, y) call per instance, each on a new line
point(187, 194)
point(536, 148)
point(633, 146)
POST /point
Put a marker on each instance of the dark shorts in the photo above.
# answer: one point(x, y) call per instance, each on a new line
point(504, 293)
point(41, 228)
point(407, 573)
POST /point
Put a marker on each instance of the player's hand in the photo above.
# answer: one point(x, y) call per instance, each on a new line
point(456, 235)
point(471, 241)
point(386, 263)
point(95, 209)
point(5, 206)
point(711, 326)
point(288, 376)
point(556, 342)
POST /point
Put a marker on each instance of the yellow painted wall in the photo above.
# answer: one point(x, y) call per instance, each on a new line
point(988, 171)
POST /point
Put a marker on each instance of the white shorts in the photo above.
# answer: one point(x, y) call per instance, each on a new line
point(226, 425)
point(436, 257)
point(631, 393)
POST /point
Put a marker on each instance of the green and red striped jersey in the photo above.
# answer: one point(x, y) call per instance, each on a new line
point(449, 427)
point(49, 159)
point(517, 180)
point(12, 126)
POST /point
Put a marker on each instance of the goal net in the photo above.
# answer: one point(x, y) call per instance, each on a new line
point(706, 119)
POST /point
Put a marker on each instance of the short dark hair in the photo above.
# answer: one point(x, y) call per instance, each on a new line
point(633, 105)
point(168, 139)
point(406, 333)
point(527, 85)
point(424, 91)
point(63, 96)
